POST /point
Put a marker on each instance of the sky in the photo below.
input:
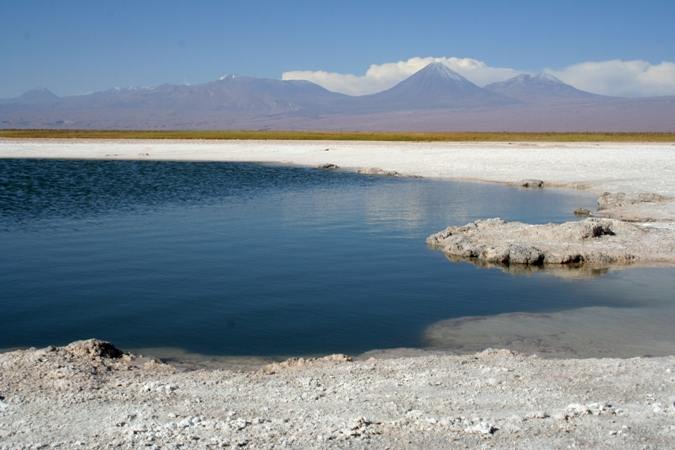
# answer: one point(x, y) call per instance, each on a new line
point(71, 47)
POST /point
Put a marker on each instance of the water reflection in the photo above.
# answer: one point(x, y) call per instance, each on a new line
point(587, 332)
point(564, 271)
point(31, 190)
point(642, 326)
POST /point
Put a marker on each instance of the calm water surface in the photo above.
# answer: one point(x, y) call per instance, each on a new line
point(245, 259)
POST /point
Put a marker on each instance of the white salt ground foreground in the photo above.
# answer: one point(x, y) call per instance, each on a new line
point(88, 395)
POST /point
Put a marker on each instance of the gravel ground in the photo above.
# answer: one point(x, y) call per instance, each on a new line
point(87, 395)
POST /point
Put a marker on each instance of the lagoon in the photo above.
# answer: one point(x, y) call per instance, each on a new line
point(239, 259)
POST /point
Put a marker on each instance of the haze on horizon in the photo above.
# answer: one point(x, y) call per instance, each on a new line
point(606, 47)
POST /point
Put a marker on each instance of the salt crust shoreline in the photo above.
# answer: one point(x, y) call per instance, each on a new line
point(87, 395)
point(91, 395)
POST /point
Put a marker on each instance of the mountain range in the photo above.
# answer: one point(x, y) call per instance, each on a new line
point(433, 99)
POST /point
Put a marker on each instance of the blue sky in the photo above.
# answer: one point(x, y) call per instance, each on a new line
point(78, 46)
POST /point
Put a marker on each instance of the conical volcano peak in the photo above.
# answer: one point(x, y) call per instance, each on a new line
point(543, 76)
point(436, 77)
point(435, 86)
point(38, 94)
point(438, 69)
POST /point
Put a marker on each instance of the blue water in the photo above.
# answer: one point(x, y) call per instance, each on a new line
point(245, 259)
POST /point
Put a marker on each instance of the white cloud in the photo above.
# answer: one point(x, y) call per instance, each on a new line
point(379, 77)
point(616, 77)
point(622, 78)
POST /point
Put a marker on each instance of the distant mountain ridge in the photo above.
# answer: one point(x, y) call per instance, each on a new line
point(539, 88)
point(433, 99)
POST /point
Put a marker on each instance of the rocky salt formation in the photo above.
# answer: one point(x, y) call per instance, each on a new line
point(531, 183)
point(628, 228)
point(377, 171)
point(91, 395)
point(329, 166)
point(593, 241)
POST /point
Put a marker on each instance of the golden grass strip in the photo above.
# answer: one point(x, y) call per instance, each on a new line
point(338, 135)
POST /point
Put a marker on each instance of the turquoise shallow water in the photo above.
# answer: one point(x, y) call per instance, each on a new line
point(245, 259)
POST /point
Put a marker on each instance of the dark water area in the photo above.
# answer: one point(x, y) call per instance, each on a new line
point(246, 259)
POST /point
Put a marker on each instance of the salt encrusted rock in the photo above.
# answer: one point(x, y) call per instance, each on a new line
point(537, 415)
point(598, 242)
point(303, 362)
point(481, 428)
point(329, 166)
point(94, 348)
point(574, 410)
point(532, 183)
point(378, 171)
point(583, 212)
